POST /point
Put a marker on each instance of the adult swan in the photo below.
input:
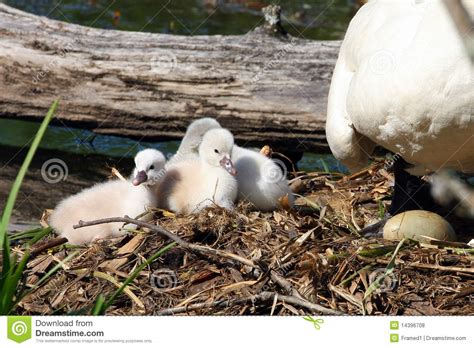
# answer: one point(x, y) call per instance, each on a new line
point(404, 81)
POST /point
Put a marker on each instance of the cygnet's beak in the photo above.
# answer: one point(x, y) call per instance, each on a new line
point(227, 164)
point(140, 178)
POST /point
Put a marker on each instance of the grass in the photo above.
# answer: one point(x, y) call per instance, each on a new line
point(376, 284)
point(12, 269)
point(381, 210)
point(31, 235)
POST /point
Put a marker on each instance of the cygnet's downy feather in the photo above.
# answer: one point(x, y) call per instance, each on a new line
point(261, 180)
point(109, 199)
point(191, 185)
point(189, 147)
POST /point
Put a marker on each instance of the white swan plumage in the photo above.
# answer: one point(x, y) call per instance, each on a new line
point(404, 81)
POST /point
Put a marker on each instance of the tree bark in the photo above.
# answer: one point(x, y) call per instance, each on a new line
point(268, 89)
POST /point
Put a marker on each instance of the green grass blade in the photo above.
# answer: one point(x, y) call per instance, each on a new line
point(355, 274)
point(25, 234)
point(54, 269)
point(5, 289)
point(100, 308)
point(381, 210)
point(309, 203)
point(11, 271)
point(43, 278)
point(40, 234)
point(7, 212)
point(376, 251)
point(388, 271)
point(99, 305)
point(9, 299)
point(6, 265)
point(31, 236)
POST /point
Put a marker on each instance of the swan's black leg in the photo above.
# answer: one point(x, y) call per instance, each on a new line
point(410, 192)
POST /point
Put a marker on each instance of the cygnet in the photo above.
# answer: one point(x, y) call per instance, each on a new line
point(261, 180)
point(209, 179)
point(109, 199)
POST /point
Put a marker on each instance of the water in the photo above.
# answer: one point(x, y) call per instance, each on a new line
point(312, 19)
point(76, 141)
point(19, 133)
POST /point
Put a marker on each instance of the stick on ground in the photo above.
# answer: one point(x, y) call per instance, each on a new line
point(205, 250)
point(262, 297)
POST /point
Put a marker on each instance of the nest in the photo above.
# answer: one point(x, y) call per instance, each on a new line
point(306, 260)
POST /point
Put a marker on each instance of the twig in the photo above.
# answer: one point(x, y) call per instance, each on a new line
point(262, 297)
point(116, 173)
point(199, 249)
point(347, 296)
point(420, 265)
point(464, 292)
point(158, 229)
point(362, 172)
point(48, 245)
point(285, 284)
point(126, 289)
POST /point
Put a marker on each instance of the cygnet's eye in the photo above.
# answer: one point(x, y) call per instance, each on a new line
point(216, 151)
point(152, 167)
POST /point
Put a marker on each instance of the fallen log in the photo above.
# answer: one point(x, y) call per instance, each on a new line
point(265, 88)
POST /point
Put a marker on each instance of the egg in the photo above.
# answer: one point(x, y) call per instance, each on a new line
point(418, 223)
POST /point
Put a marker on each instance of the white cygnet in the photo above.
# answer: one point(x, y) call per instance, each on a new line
point(109, 199)
point(189, 147)
point(149, 168)
point(193, 184)
point(261, 180)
